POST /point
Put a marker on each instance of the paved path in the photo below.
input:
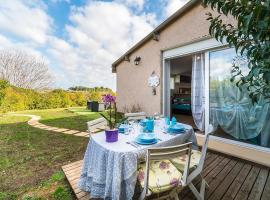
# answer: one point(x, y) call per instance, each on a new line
point(34, 121)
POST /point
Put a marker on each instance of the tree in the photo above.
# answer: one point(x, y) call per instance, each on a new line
point(24, 70)
point(3, 85)
point(251, 39)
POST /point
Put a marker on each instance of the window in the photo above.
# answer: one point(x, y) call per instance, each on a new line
point(231, 112)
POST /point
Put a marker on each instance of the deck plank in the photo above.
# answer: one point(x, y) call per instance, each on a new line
point(214, 183)
point(210, 176)
point(258, 187)
point(208, 167)
point(266, 191)
point(247, 185)
point(238, 181)
point(226, 182)
point(229, 178)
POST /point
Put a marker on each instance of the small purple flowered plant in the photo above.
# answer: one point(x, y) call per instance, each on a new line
point(108, 99)
point(163, 165)
point(110, 103)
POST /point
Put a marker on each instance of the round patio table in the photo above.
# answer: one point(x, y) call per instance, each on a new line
point(110, 169)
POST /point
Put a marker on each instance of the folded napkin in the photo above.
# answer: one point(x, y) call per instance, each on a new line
point(122, 128)
point(177, 128)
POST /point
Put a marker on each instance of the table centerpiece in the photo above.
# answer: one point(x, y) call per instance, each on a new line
point(111, 117)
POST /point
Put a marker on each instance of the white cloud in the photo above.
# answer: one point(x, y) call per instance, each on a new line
point(29, 48)
point(173, 6)
point(133, 3)
point(4, 42)
point(25, 19)
point(99, 33)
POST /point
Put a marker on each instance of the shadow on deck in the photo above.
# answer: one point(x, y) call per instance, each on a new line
point(228, 177)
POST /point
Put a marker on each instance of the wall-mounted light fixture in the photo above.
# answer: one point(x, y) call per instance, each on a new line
point(137, 60)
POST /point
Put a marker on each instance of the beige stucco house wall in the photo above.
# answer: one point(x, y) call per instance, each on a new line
point(188, 25)
point(132, 88)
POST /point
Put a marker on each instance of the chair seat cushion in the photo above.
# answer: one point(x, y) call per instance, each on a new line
point(163, 176)
point(180, 162)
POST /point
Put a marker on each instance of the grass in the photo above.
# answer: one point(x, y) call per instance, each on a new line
point(72, 118)
point(31, 158)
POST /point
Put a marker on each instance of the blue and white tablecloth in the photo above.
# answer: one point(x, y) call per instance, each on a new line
point(110, 169)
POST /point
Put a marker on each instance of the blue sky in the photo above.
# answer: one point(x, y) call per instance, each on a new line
point(79, 39)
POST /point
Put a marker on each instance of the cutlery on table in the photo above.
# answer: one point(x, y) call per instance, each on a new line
point(132, 144)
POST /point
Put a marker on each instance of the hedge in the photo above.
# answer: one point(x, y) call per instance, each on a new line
point(14, 99)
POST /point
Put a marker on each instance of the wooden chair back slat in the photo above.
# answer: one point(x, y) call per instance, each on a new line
point(162, 153)
point(96, 125)
point(169, 155)
point(135, 116)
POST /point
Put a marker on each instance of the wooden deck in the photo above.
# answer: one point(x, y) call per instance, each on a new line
point(228, 177)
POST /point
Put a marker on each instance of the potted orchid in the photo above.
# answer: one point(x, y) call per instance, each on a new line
point(112, 117)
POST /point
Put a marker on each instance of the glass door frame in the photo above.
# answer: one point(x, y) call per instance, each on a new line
point(206, 89)
point(201, 46)
point(207, 106)
point(204, 46)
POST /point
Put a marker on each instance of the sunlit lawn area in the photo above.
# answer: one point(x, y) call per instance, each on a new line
point(31, 158)
point(71, 118)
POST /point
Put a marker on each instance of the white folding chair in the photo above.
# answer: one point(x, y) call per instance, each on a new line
point(159, 168)
point(196, 166)
point(135, 116)
point(96, 125)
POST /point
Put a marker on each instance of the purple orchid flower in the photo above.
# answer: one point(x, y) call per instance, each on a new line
point(108, 99)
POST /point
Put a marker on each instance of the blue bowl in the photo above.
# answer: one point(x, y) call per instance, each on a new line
point(147, 137)
point(122, 128)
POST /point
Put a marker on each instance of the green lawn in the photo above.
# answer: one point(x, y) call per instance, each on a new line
point(72, 118)
point(31, 158)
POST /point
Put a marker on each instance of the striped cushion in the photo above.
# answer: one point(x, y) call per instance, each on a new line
point(180, 162)
point(163, 176)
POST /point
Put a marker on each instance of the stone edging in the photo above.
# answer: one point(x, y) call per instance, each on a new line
point(34, 121)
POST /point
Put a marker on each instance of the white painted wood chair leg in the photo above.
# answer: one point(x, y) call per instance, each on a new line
point(176, 196)
point(198, 195)
point(142, 196)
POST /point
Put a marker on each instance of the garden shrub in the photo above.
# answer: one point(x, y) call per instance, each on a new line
point(14, 99)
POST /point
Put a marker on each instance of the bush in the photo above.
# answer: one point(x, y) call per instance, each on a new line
point(14, 99)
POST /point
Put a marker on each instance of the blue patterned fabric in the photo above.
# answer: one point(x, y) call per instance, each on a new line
point(100, 170)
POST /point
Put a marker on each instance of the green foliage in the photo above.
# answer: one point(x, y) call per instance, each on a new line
point(251, 39)
point(58, 176)
point(62, 193)
point(32, 198)
point(96, 89)
point(15, 99)
point(113, 118)
point(7, 196)
point(3, 85)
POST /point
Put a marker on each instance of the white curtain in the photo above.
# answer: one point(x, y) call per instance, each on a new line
point(197, 88)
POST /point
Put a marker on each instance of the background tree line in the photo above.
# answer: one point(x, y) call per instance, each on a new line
point(13, 98)
point(25, 81)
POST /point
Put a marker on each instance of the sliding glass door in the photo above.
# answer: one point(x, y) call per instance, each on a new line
point(231, 112)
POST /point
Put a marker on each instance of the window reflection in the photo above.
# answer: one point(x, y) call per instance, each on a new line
point(231, 111)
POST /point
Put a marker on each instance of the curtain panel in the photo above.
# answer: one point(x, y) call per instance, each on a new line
point(197, 90)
